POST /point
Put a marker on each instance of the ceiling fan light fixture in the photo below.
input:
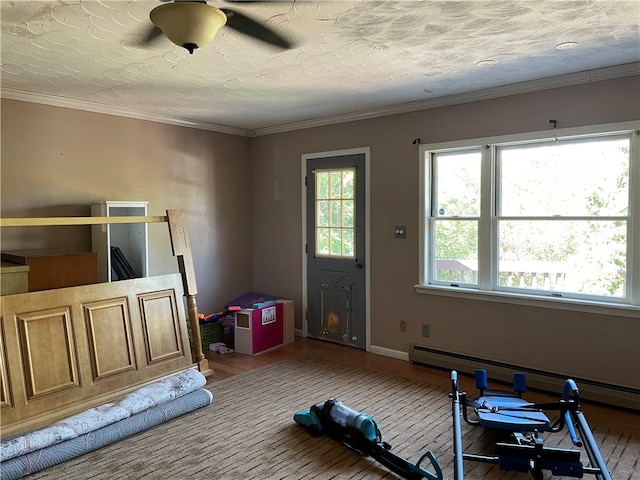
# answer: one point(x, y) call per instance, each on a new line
point(188, 24)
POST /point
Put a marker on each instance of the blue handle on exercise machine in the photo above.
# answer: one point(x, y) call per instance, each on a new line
point(570, 387)
point(481, 379)
point(519, 383)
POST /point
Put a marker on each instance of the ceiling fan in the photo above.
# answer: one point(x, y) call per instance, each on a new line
point(192, 24)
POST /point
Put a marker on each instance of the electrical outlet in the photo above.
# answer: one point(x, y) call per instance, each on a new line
point(400, 231)
point(403, 325)
point(426, 330)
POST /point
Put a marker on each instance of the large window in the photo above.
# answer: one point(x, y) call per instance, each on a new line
point(535, 216)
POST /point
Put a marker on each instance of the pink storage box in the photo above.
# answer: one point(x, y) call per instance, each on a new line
point(260, 329)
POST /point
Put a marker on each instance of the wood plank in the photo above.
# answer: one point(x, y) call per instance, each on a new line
point(181, 247)
point(58, 221)
point(61, 339)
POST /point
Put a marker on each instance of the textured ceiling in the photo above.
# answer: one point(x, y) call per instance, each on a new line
point(349, 56)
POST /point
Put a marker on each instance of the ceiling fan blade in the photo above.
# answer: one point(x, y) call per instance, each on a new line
point(150, 36)
point(243, 24)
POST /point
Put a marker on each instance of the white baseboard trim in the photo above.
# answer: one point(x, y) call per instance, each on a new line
point(387, 352)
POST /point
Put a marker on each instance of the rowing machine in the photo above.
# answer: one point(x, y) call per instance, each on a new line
point(507, 411)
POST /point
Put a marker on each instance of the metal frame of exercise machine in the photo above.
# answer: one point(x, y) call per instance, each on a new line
point(508, 411)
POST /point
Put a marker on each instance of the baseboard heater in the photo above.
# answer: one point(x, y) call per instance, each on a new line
point(608, 394)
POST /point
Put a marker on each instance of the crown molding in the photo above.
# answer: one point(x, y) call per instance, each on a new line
point(577, 78)
point(547, 83)
point(63, 102)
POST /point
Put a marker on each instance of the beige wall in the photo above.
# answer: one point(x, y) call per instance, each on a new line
point(243, 203)
point(57, 162)
point(599, 347)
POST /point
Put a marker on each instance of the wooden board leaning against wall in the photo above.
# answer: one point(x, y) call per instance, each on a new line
point(160, 349)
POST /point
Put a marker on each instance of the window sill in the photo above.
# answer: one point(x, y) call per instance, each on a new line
point(617, 309)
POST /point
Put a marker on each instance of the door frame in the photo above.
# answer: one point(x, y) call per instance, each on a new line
point(367, 230)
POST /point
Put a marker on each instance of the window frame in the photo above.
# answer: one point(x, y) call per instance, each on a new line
point(488, 287)
point(433, 219)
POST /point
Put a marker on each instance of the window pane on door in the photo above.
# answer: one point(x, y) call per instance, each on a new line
point(335, 213)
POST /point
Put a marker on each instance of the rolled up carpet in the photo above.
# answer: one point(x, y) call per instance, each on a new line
point(150, 395)
point(35, 461)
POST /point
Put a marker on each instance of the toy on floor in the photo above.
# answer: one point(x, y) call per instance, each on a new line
point(509, 412)
point(360, 433)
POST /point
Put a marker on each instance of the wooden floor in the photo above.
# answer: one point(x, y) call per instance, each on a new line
point(225, 366)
